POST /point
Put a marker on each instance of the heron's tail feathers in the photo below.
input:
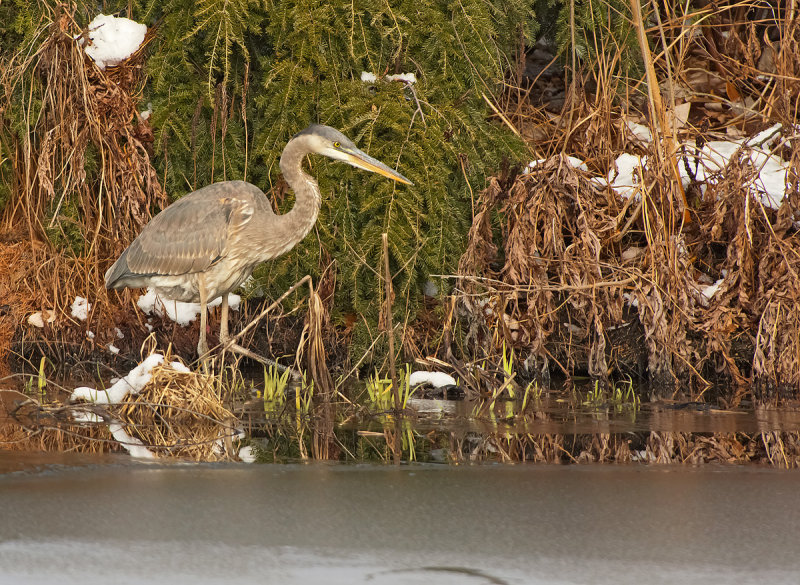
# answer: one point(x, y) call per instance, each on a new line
point(115, 276)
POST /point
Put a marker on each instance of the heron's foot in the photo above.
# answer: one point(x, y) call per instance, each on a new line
point(202, 349)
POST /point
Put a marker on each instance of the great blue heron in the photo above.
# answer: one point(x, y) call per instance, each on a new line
point(207, 243)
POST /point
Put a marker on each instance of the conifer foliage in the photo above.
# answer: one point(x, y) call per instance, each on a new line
point(230, 81)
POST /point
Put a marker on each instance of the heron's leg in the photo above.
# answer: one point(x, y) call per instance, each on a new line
point(223, 325)
point(202, 344)
point(224, 338)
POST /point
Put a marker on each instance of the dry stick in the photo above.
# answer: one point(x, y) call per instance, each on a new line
point(500, 114)
point(387, 278)
point(656, 105)
point(563, 288)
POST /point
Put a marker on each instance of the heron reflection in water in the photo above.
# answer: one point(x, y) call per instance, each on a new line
point(207, 243)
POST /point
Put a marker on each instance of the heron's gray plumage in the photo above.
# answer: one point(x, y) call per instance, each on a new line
point(207, 243)
point(190, 235)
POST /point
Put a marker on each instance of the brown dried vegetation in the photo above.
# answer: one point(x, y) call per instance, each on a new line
point(73, 222)
point(575, 276)
point(178, 413)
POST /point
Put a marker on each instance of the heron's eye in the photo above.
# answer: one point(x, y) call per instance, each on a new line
point(337, 145)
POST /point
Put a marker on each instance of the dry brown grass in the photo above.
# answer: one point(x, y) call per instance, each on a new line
point(181, 414)
point(177, 414)
point(577, 278)
point(73, 223)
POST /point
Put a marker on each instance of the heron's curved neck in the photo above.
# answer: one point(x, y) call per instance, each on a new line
point(300, 219)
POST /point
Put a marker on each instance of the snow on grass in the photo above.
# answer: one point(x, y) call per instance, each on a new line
point(435, 379)
point(711, 159)
point(132, 383)
point(181, 368)
point(39, 318)
point(36, 320)
point(368, 77)
point(572, 160)
point(624, 178)
point(182, 313)
point(113, 39)
point(247, 454)
point(702, 164)
point(81, 308)
point(770, 180)
point(766, 138)
point(709, 290)
point(639, 131)
point(85, 416)
point(132, 445)
point(113, 348)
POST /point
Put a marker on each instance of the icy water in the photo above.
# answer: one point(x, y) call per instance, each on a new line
point(97, 521)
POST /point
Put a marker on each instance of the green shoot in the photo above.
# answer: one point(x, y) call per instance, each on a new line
point(532, 390)
point(379, 390)
point(508, 368)
point(275, 384)
point(42, 381)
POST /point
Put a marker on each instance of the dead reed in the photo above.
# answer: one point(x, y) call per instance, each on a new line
point(579, 278)
point(179, 413)
point(83, 183)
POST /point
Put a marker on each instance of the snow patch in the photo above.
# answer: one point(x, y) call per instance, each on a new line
point(179, 367)
point(81, 308)
point(39, 318)
point(435, 379)
point(368, 77)
point(709, 290)
point(132, 445)
point(405, 77)
point(36, 320)
point(85, 416)
point(639, 131)
point(113, 39)
point(182, 313)
point(572, 160)
point(132, 383)
point(247, 454)
point(625, 180)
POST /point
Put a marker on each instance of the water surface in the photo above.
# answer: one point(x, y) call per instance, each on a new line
point(326, 523)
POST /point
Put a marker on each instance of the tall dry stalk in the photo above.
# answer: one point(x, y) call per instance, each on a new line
point(84, 185)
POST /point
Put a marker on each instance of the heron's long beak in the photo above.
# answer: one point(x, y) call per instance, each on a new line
point(362, 160)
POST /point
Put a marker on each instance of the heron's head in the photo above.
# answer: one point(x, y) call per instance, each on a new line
point(330, 142)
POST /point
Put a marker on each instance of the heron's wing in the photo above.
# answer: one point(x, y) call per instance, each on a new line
point(194, 232)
